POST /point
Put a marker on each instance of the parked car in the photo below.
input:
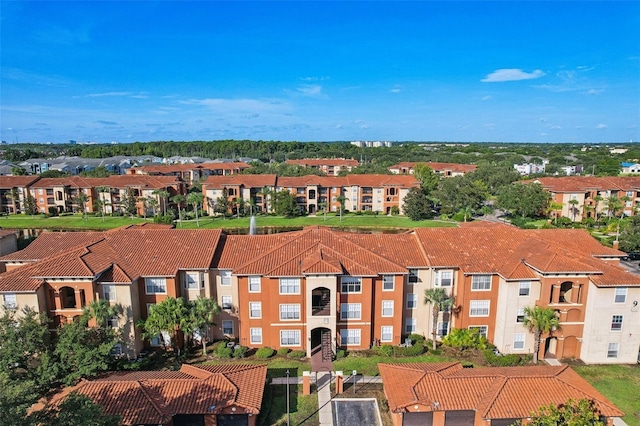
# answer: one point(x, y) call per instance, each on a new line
point(632, 256)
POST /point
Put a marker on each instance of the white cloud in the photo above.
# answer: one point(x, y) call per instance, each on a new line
point(601, 126)
point(239, 105)
point(594, 91)
point(396, 89)
point(310, 90)
point(314, 78)
point(486, 98)
point(100, 95)
point(556, 127)
point(511, 74)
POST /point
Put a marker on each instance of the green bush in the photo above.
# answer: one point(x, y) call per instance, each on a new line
point(264, 353)
point(415, 337)
point(341, 353)
point(384, 350)
point(463, 338)
point(283, 351)
point(224, 352)
point(240, 352)
point(297, 354)
point(507, 360)
point(415, 350)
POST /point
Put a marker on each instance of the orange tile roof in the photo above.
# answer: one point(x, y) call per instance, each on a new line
point(143, 181)
point(248, 181)
point(308, 180)
point(17, 181)
point(587, 183)
point(49, 243)
point(154, 397)
point(324, 162)
point(170, 168)
point(495, 392)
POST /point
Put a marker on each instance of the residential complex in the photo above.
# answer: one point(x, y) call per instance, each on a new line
point(329, 166)
point(191, 173)
point(327, 289)
point(443, 169)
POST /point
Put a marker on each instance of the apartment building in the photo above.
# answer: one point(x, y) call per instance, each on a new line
point(324, 289)
point(13, 190)
point(443, 169)
point(583, 197)
point(329, 166)
point(191, 173)
point(377, 193)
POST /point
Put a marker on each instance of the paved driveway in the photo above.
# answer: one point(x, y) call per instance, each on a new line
point(357, 411)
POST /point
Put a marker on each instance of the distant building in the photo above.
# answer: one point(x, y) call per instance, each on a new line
point(630, 168)
point(618, 150)
point(529, 168)
point(572, 170)
point(443, 169)
point(372, 144)
point(330, 166)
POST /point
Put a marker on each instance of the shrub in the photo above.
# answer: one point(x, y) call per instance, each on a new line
point(240, 352)
point(341, 353)
point(415, 337)
point(465, 339)
point(264, 353)
point(384, 350)
point(507, 360)
point(283, 351)
point(297, 354)
point(53, 211)
point(415, 350)
point(224, 352)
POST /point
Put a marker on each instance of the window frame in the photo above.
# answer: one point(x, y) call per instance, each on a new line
point(347, 334)
point(225, 277)
point(413, 276)
point(519, 338)
point(476, 308)
point(410, 322)
point(252, 335)
point(250, 283)
point(10, 304)
point(385, 279)
point(287, 311)
point(440, 279)
point(111, 290)
point(414, 302)
point(623, 296)
point(520, 315)
point(226, 305)
point(283, 284)
point(199, 282)
point(252, 308)
point(348, 310)
point(616, 322)
point(442, 328)
point(389, 329)
point(522, 287)
point(346, 287)
point(147, 282)
point(475, 284)
point(480, 328)
point(222, 327)
point(296, 337)
point(611, 352)
point(389, 306)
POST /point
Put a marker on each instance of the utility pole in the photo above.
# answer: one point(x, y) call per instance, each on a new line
point(288, 416)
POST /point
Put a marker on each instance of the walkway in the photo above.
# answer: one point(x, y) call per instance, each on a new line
point(323, 385)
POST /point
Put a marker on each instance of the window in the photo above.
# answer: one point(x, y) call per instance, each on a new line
point(350, 310)
point(444, 278)
point(289, 337)
point(156, 285)
point(225, 277)
point(349, 337)
point(520, 315)
point(109, 292)
point(289, 285)
point(410, 325)
point(290, 312)
point(412, 301)
point(525, 288)
point(387, 334)
point(255, 309)
point(387, 282)
point(481, 282)
point(616, 323)
point(443, 328)
point(518, 341)
point(351, 284)
point(227, 303)
point(227, 327)
point(254, 284)
point(112, 322)
point(479, 308)
point(413, 276)
point(387, 308)
point(9, 300)
point(482, 329)
point(612, 350)
point(621, 295)
point(193, 280)
point(256, 335)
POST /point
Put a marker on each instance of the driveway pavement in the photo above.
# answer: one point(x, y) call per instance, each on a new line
point(350, 412)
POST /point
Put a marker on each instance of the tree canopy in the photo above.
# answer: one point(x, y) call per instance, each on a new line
point(573, 413)
point(525, 200)
point(417, 205)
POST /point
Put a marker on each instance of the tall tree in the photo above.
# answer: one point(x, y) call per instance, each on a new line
point(103, 190)
point(539, 321)
point(178, 200)
point(195, 199)
point(129, 202)
point(427, 177)
point(341, 199)
point(162, 195)
point(80, 200)
point(202, 312)
point(526, 200)
point(442, 302)
point(574, 209)
point(417, 205)
point(284, 203)
point(166, 317)
point(458, 192)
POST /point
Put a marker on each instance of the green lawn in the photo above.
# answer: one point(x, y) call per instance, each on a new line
point(97, 223)
point(369, 365)
point(619, 383)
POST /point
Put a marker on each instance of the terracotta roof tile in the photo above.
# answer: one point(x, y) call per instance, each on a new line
point(17, 181)
point(248, 181)
point(49, 243)
point(170, 168)
point(586, 183)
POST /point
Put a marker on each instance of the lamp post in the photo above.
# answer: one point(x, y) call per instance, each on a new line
point(288, 416)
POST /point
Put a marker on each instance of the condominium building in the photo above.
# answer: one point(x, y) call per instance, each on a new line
point(443, 169)
point(329, 166)
point(191, 173)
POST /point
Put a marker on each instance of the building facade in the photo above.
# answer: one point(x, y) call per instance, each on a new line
point(443, 169)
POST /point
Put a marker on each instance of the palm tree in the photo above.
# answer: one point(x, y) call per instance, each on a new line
point(101, 310)
point(195, 198)
point(597, 199)
point(202, 311)
point(341, 199)
point(323, 206)
point(574, 209)
point(162, 195)
point(81, 200)
point(102, 190)
point(442, 302)
point(166, 317)
point(539, 321)
point(178, 200)
point(554, 207)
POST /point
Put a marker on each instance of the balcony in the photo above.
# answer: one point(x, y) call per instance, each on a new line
point(321, 302)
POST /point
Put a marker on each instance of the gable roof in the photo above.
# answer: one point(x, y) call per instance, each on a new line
point(588, 183)
point(154, 397)
point(249, 181)
point(494, 392)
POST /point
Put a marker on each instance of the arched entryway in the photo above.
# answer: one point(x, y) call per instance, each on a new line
point(321, 346)
point(67, 298)
point(550, 346)
point(570, 347)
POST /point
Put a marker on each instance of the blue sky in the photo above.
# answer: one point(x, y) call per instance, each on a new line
point(505, 71)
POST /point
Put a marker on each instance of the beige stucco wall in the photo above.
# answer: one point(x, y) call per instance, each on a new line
point(312, 282)
point(597, 327)
point(226, 314)
point(506, 326)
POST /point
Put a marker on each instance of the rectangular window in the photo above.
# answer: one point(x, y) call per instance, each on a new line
point(387, 282)
point(109, 292)
point(255, 309)
point(387, 334)
point(112, 322)
point(616, 323)
point(444, 278)
point(482, 329)
point(227, 327)
point(518, 341)
point(387, 308)
point(225, 277)
point(289, 285)
point(256, 335)
point(227, 303)
point(9, 301)
point(525, 288)
point(350, 311)
point(254, 284)
point(621, 295)
point(156, 285)
point(290, 312)
point(479, 308)
point(350, 284)
point(193, 280)
point(413, 276)
point(412, 301)
point(410, 325)
point(443, 328)
point(481, 282)
point(349, 337)
point(520, 315)
point(612, 350)
point(289, 337)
